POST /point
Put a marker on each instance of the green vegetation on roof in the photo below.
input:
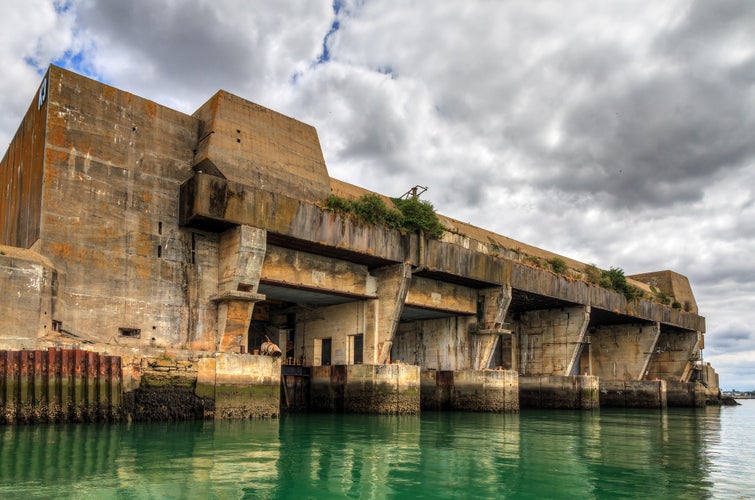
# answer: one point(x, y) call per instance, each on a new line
point(412, 214)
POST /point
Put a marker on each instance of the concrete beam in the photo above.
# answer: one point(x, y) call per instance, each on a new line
point(212, 203)
point(297, 269)
point(431, 294)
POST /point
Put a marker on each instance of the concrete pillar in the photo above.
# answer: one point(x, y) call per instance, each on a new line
point(241, 252)
point(494, 305)
point(384, 313)
point(550, 340)
point(239, 386)
point(622, 352)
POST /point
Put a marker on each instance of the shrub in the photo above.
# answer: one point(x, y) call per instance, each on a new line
point(614, 279)
point(412, 215)
point(558, 265)
point(338, 204)
point(592, 274)
point(419, 214)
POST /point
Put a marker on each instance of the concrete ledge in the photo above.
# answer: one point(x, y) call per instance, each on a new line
point(579, 392)
point(633, 393)
point(380, 389)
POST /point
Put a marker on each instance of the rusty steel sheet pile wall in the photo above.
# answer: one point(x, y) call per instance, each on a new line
point(59, 385)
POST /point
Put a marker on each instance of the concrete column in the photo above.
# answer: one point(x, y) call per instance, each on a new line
point(622, 352)
point(385, 312)
point(550, 340)
point(495, 303)
point(241, 252)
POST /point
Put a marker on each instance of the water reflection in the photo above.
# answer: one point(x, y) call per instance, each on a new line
point(606, 454)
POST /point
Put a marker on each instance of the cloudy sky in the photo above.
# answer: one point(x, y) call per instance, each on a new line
point(618, 133)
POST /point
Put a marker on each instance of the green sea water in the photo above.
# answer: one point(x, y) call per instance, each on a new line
point(674, 453)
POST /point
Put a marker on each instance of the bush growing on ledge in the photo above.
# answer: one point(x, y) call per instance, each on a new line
point(419, 214)
point(412, 215)
point(614, 279)
point(558, 265)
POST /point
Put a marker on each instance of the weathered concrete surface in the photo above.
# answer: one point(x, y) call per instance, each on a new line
point(550, 340)
point(437, 295)
point(674, 355)
point(246, 386)
point(246, 143)
point(623, 352)
point(470, 390)
point(579, 392)
point(392, 289)
point(113, 164)
point(209, 202)
point(672, 284)
point(633, 393)
point(382, 389)
point(685, 394)
point(436, 344)
point(21, 173)
point(302, 270)
point(28, 291)
point(336, 323)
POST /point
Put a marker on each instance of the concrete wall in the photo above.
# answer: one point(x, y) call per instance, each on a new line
point(21, 172)
point(336, 323)
point(246, 143)
point(28, 288)
point(622, 352)
point(113, 167)
point(674, 355)
point(549, 341)
point(685, 394)
point(437, 344)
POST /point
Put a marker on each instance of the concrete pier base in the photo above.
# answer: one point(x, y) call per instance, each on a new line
point(579, 392)
point(470, 390)
point(685, 394)
point(633, 393)
point(379, 389)
point(242, 386)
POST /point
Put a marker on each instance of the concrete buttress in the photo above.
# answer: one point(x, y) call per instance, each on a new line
point(495, 303)
point(241, 253)
point(392, 288)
